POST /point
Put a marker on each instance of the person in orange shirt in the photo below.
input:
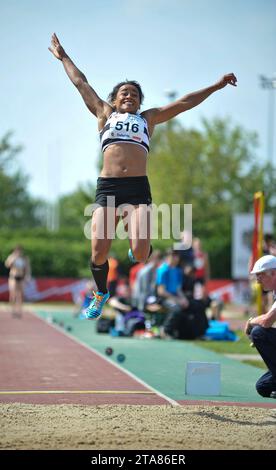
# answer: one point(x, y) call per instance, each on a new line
point(133, 274)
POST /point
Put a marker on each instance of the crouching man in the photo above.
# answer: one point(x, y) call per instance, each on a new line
point(260, 328)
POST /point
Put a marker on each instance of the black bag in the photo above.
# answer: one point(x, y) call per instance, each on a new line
point(190, 323)
point(104, 325)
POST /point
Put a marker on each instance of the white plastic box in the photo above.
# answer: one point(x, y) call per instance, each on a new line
point(203, 378)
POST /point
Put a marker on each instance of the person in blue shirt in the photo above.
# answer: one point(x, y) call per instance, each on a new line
point(169, 281)
point(178, 307)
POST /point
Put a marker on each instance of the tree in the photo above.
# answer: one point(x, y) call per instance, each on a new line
point(17, 208)
point(71, 207)
point(216, 170)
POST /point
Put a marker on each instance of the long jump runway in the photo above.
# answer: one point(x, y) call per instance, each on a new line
point(42, 365)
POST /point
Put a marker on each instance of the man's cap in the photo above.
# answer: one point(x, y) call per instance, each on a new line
point(264, 264)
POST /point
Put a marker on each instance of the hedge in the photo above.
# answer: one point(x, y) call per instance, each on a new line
point(67, 253)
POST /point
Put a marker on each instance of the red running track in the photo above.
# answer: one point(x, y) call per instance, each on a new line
point(40, 361)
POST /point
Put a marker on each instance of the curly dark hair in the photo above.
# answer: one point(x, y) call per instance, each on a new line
point(112, 96)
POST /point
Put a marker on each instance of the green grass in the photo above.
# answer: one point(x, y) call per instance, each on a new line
point(255, 363)
point(242, 346)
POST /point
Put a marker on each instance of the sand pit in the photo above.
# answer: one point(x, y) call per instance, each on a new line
point(121, 427)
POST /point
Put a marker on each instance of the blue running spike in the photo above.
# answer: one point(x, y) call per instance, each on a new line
point(131, 257)
point(95, 307)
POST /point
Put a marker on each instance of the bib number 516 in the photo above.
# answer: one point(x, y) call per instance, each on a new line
point(120, 125)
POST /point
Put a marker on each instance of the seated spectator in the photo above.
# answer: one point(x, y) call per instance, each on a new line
point(188, 323)
point(127, 318)
point(185, 250)
point(169, 282)
point(196, 291)
point(121, 307)
point(145, 283)
point(186, 318)
point(188, 284)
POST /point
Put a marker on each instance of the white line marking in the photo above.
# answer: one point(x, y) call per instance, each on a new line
point(93, 392)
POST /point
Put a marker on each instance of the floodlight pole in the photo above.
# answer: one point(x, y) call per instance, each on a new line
point(269, 84)
point(171, 95)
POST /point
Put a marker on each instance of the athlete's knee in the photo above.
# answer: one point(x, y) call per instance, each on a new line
point(258, 333)
point(98, 258)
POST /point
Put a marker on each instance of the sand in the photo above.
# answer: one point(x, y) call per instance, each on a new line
point(122, 427)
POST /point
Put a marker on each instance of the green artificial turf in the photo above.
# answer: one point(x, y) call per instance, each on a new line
point(242, 346)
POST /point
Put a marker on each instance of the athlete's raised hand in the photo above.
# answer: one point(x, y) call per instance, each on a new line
point(56, 48)
point(228, 79)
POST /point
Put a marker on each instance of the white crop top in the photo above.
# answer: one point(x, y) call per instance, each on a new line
point(19, 263)
point(125, 128)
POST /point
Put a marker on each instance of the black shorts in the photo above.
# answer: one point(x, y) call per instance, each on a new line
point(18, 278)
point(133, 190)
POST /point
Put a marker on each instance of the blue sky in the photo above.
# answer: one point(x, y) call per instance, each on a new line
point(183, 45)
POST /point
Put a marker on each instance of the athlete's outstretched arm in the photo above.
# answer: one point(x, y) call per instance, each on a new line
point(163, 114)
point(94, 103)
